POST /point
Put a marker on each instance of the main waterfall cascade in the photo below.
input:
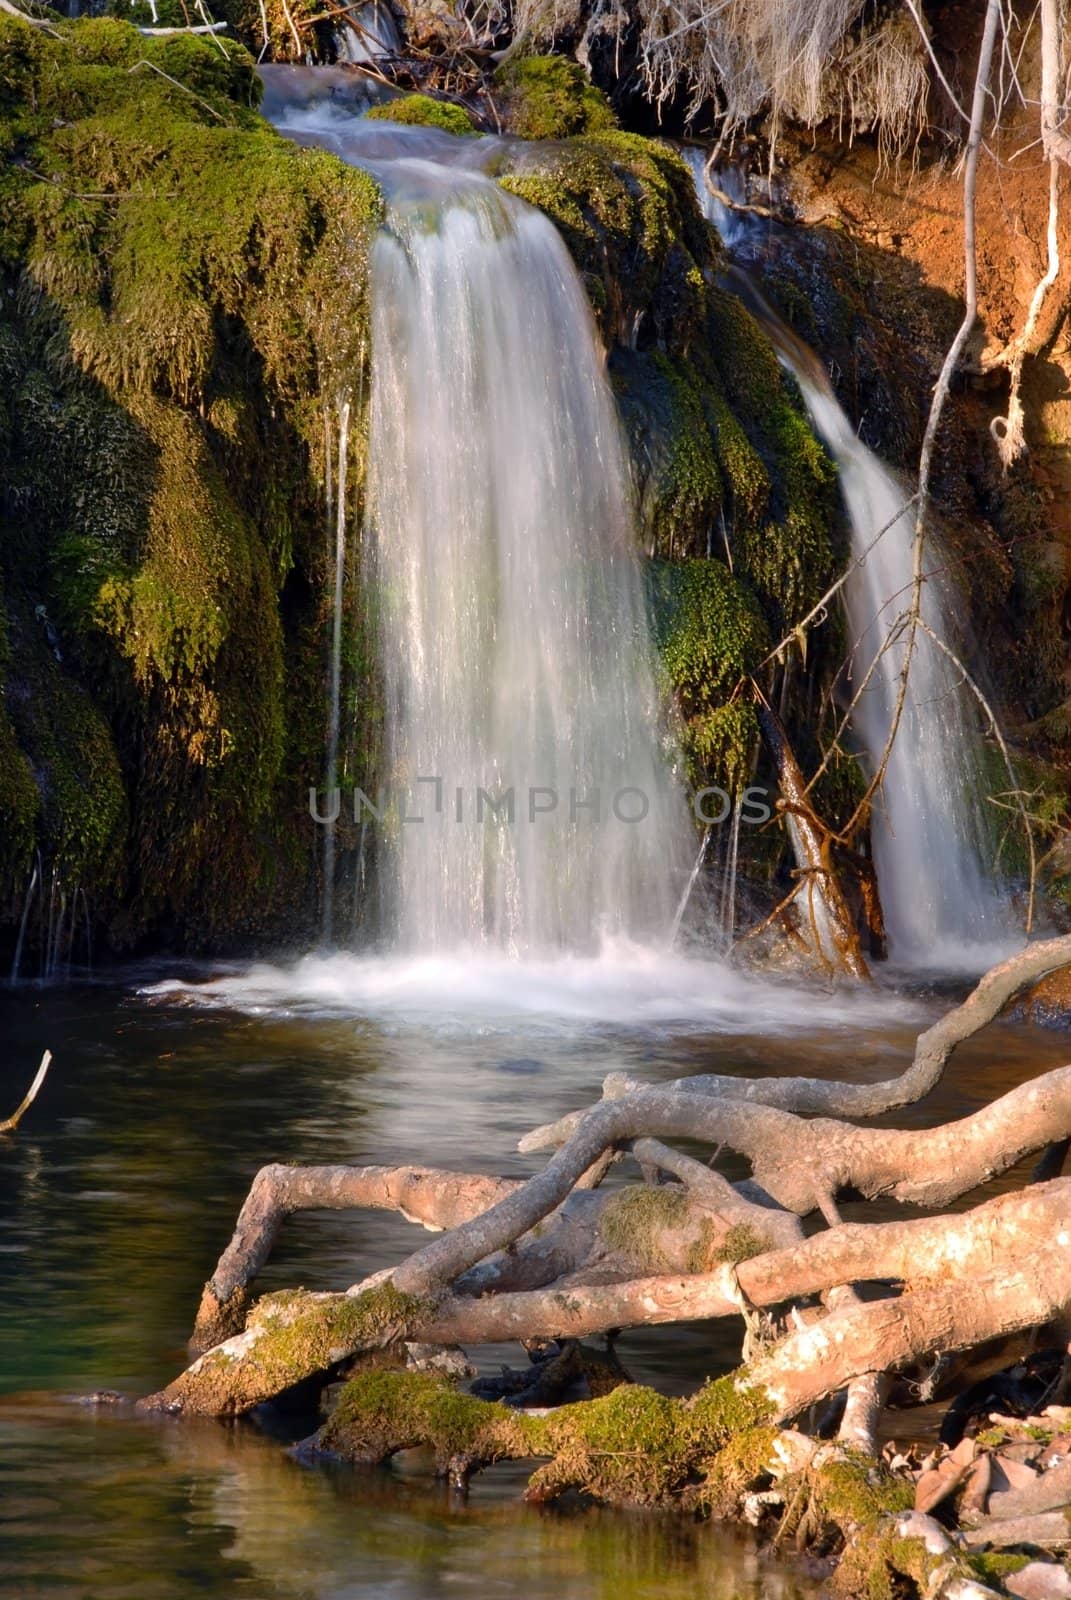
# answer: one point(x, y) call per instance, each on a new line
point(933, 843)
point(522, 718)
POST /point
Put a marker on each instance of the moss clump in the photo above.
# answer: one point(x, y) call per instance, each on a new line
point(379, 1413)
point(290, 1337)
point(681, 485)
point(781, 478)
point(740, 1243)
point(630, 1447)
point(626, 208)
point(634, 1220)
point(421, 111)
point(993, 1566)
point(299, 1334)
point(711, 634)
point(20, 800)
point(709, 628)
point(549, 97)
point(740, 1466)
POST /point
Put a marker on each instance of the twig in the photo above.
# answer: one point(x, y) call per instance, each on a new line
point(994, 727)
point(145, 62)
point(34, 22)
point(31, 1095)
point(820, 605)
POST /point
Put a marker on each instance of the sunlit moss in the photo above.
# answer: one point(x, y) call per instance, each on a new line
point(420, 110)
point(190, 285)
point(549, 97)
point(630, 1447)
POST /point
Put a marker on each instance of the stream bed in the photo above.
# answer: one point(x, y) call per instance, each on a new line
point(170, 1088)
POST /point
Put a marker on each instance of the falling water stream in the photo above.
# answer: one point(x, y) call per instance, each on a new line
point(933, 843)
point(514, 640)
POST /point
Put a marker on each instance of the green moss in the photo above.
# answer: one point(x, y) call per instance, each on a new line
point(299, 1334)
point(379, 1413)
point(709, 629)
point(420, 110)
point(862, 1500)
point(290, 1337)
point(633, 1218)
point(630, 1447)
point(627, 209)
point(740, 1466)
point(720, 744)
point(681, 484)
point(740, 1244)
point(20, 800)
point(190, 286)
point(781, 478)
point(993, 1566)
point(549, 97)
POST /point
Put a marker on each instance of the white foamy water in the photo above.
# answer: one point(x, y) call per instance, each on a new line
point(626, 987)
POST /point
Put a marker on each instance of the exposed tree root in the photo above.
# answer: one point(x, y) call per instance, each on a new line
point(556, 1257)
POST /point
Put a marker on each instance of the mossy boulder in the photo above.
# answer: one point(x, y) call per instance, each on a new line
point(421, 111)
point(549, 97)
point(184, 295)
point(626, 207)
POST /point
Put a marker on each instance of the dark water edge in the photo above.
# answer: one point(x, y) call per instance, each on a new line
point(120, 1189)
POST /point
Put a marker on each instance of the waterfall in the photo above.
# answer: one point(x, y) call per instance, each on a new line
point(521, 708)
point(932, 841)
point(525, 802)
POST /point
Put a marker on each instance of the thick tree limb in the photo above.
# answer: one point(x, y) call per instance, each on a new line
point(832, 1097)
point(422, 1194)
point(944, 1250)
point(889, 1334)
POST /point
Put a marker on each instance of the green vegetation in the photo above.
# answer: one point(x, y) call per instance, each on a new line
point(632, 1446)
point(729, 474)
point(420, 110)
point(549, 97)
point(182, 285)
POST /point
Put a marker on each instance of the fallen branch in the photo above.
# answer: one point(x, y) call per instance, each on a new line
point(31, 1095)
point(833, 1097)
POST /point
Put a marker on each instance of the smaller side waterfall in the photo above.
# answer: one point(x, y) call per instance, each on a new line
point(933, 842)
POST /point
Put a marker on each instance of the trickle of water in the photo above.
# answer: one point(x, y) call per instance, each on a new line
point(933, 844)
point(335, 673)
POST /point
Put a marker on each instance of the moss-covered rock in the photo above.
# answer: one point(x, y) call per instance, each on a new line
point(421, 111)
point(185, 295)
point(549, 97)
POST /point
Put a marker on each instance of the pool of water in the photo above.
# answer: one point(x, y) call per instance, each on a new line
point(170, 1088)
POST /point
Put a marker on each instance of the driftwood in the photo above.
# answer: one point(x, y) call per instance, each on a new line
point(562, 1256)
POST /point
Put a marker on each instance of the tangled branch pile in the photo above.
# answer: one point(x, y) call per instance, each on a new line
point(559, 1258)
